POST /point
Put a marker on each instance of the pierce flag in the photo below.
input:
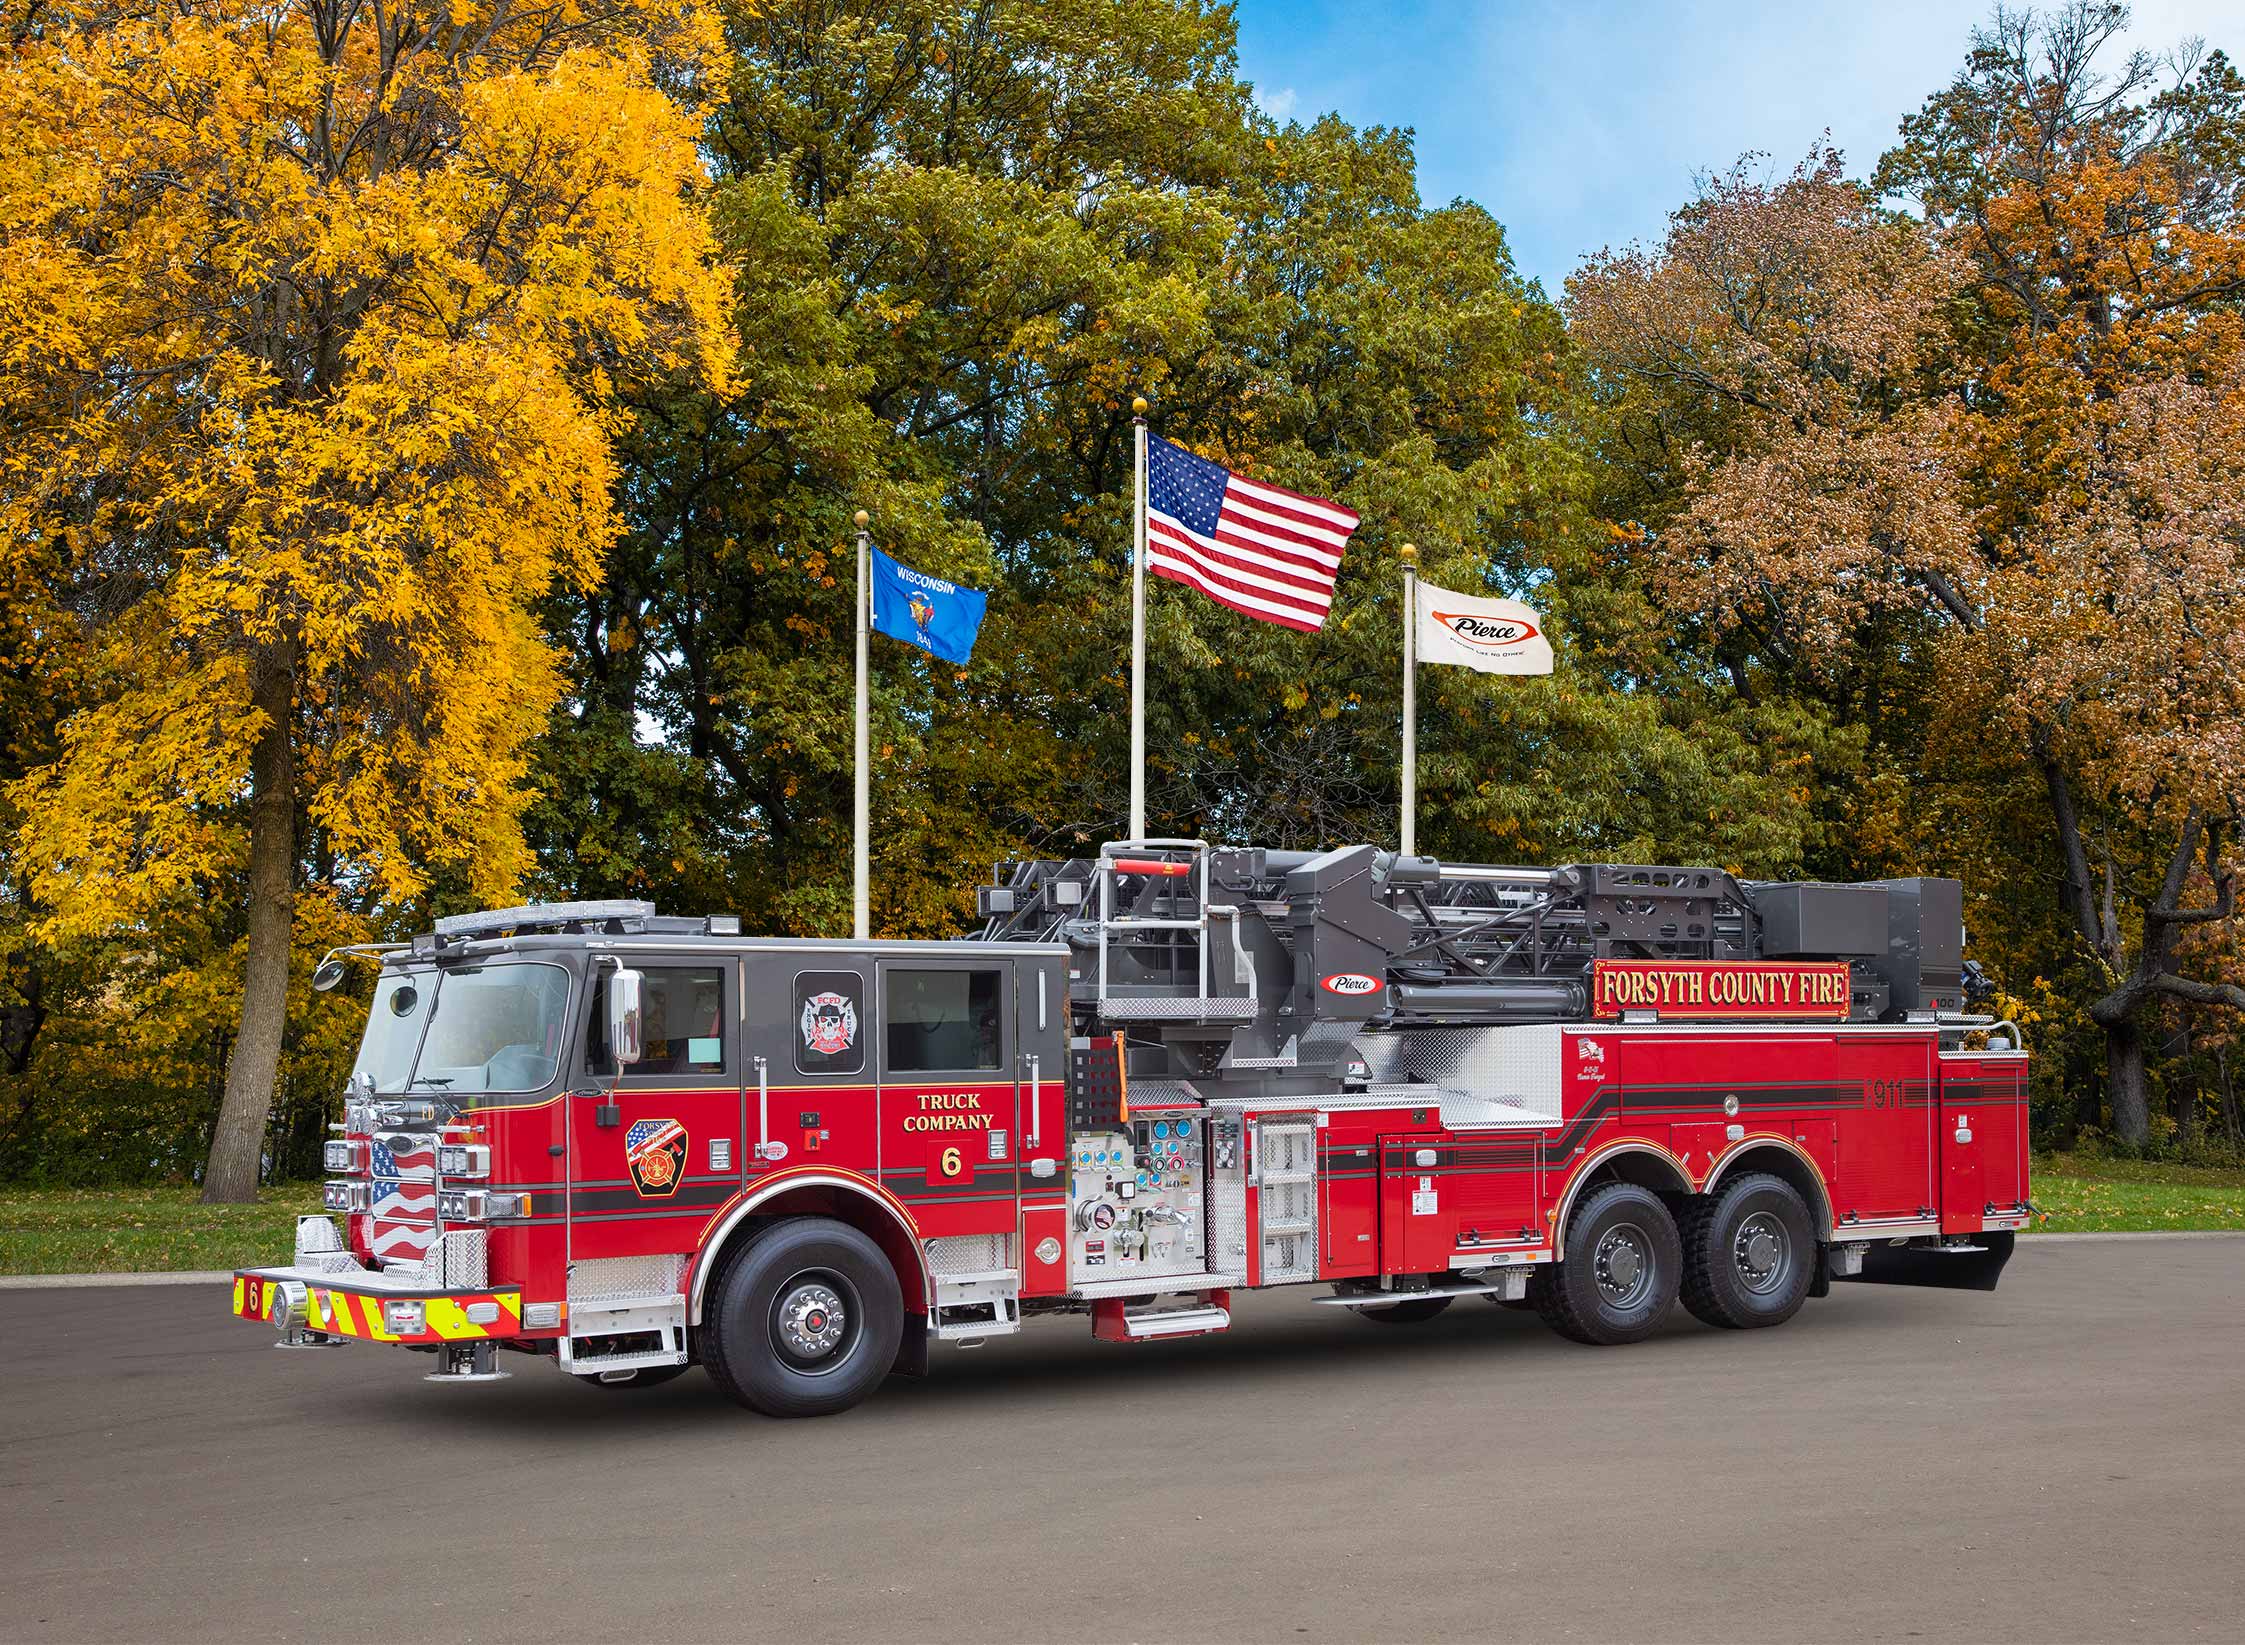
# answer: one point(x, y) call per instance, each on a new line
point(1494, 636)
point(939, 617)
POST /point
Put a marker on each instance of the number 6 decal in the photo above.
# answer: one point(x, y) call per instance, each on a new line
point(949, 1166)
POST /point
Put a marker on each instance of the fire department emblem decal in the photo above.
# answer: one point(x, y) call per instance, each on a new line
point(829, 1024)
point(655, 1150)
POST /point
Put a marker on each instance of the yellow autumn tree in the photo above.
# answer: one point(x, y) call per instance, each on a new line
point(314, 319)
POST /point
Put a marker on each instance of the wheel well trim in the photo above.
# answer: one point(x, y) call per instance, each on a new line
point(1821, 1211)
point(721, 1226)
point(1589, 1165)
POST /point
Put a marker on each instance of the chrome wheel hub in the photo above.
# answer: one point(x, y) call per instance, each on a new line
point(1624, 1265)
point(1762, 1253)
point(811, 1320)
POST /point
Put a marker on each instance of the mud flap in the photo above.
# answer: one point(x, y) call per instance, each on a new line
point(912, 1348)
point(1942, 1270)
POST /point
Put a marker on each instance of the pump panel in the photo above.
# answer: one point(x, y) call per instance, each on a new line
point(1137, 1201)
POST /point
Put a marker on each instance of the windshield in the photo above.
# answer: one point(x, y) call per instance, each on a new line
point(474, 1028)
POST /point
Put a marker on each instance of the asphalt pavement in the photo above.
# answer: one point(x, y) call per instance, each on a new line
point(2062, 1460)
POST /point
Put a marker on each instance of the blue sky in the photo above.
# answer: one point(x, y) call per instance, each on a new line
point(1581, 126)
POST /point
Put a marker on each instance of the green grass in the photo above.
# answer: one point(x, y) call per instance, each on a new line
point(144, 1230)
point(2081, 1194)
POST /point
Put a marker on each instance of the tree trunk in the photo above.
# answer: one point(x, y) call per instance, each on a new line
point(23, 1017)
point(2229, 1099)
point(2086, 1098)
point(2183, 1088)
point(2124, 1082)
point(236, 1144)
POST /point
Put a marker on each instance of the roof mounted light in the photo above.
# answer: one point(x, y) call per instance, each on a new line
point(724, 925)
point(624, 909)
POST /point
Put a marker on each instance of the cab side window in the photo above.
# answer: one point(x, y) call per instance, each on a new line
point(686, 1030)
point(944, 1021)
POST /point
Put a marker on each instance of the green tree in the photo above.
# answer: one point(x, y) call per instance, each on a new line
point(966, 236)
point(314, 314)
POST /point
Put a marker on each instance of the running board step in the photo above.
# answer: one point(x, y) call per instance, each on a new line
point(1112, 1320)
point(969, 1307)
point(1512, 1287)
point(624, 1334)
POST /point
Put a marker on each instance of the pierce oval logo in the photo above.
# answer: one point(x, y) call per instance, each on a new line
point(1487, 633)
point(1350, 982)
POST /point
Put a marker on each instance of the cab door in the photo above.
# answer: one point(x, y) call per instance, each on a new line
point(1041, 1059)
point(950, 1093)
point(656, 1148)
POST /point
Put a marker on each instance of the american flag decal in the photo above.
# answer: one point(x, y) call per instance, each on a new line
point(1260, 549)
point(403, 1166)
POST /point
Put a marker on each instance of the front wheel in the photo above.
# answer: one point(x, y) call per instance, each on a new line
point(805, 1320)
point(1749, 1253)
point(1621, 1271)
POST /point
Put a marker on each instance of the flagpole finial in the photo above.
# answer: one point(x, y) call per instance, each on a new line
point(1138, 405)
point(863, 519)
point(1408, 553)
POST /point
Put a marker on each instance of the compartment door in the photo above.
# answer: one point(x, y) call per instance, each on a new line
point(1891, 1158)
point(1964, 1185)
point(1415, 1225)
point(950, 1096)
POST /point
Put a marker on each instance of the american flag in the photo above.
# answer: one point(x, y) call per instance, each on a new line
point(403, 1167)
point(1260, 549)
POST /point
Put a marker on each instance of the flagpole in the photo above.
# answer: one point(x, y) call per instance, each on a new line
point(861, 831)
point(1138, 627)
point(1410, 557)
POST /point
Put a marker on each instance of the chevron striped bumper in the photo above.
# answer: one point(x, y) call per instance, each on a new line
point(319, 1302)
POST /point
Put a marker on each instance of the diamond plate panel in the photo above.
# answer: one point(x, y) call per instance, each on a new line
point(1517, 1066)
point(614, 1279)
point(970, 1254)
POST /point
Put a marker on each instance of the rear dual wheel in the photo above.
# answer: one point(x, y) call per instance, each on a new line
point(1749, 1253)
point(1620, 1276)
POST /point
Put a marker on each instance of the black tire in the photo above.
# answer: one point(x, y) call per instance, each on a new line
point(1412, 1311)
point(647, 1376)
point(1623, 1265)
point(1749, 1253)
point(804, 1320)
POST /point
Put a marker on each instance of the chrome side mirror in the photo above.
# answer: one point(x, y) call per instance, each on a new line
point(625, 1043)
point(327, 974)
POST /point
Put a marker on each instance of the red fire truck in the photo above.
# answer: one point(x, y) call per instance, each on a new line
point(1152, 1078)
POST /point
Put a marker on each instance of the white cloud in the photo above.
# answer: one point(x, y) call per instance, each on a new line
point(1279, 104)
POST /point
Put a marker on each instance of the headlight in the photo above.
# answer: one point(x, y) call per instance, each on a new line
point(462, 1205)
point(346, 1196)
point(341, 1154)
point(289, 1298)
point(471, 1159)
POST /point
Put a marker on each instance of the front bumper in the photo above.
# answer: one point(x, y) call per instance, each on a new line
point(352, 1305)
